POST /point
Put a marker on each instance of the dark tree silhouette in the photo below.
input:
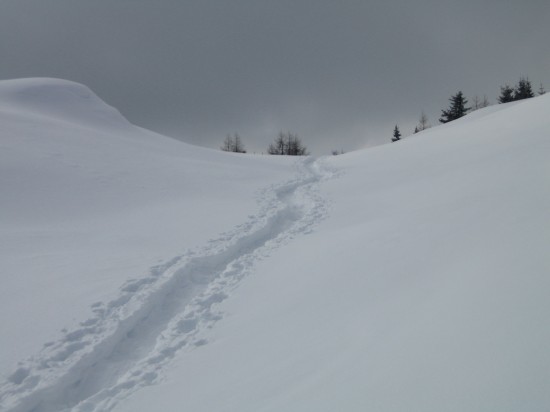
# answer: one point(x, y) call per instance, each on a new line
point(239, 146)
point(506, 94)
point(396, 134)
point(233, 144)
point(523, 89)
point(287, 144)
point(457, 110)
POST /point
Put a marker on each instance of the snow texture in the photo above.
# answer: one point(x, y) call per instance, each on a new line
point(412, 276)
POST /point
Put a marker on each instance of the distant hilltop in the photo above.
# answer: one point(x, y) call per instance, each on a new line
point(60, 100)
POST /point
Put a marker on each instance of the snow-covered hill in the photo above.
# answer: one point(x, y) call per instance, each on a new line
point(139, 273)
point(90, 203)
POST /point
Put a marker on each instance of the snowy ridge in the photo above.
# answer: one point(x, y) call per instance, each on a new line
point(125, 345)
point(59, 100)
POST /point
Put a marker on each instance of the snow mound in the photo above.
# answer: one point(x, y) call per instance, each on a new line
point(59, 100)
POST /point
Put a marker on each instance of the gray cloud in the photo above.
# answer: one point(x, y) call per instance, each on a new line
point(340, 74)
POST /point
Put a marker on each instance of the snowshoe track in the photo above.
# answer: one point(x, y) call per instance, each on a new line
point(129, 340)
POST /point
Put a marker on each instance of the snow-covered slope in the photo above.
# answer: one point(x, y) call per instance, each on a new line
point(89, 202)
point(425, 289)
point(412, 276)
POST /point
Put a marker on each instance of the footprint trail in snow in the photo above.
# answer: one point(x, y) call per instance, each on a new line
point(129, 340)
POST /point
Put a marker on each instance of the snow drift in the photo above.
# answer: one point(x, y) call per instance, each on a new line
point(411, 276)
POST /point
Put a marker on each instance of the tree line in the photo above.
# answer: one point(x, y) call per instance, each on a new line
point(286, 143)
point(458, 106)
point(233, 144)
point(289, 144)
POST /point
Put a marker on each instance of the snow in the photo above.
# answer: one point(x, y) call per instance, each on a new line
point(87, 206)
point(410, 276)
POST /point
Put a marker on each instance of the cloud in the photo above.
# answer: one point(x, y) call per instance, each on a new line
point(340, 74)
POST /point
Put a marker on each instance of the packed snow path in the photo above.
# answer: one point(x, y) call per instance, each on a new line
point(130, 339)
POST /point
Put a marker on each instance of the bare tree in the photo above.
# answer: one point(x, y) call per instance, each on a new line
point(279, 146)
point(475, 103)
point(478, 103)
point(287, 144)
point(423, 123)
point(228, 144)
point(233, 144)
point(239, 146)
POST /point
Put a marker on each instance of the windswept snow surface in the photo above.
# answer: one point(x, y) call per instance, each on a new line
point(412, 276)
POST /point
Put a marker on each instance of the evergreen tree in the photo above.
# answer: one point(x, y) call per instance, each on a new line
point(396, 134)
point(541, 90)
point(506, 94)
point(523, 89)
point(457, 110)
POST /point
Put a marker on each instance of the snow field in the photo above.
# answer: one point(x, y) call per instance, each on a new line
point(424, 289)
point(87, 206)
point(125, 345)
point(131, 337)
point(411, 276)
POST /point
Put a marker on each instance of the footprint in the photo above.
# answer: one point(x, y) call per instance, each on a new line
point(19, 375)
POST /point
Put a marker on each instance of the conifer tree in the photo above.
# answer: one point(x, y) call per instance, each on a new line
point(457, 110)
point(506, 94)
point(523, 89)
point(541, 90)
point(396, 134)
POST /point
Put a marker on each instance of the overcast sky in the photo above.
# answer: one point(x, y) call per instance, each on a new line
point(340, 74)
